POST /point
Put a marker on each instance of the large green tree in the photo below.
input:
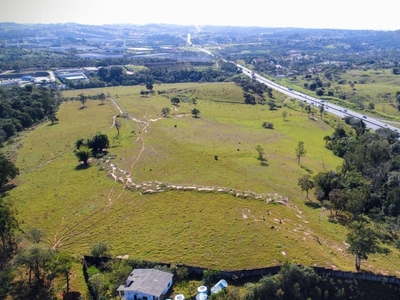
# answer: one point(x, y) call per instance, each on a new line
point(363, 240)
point(99, 142)
point(8, 170)
point(8, 245)
point(61, 265)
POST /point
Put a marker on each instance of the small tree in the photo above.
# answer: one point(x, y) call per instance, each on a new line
point(175, 101)
point(53, 119)
point(268, 125)
point(195, 112)
point(82, 99)
point(363, 240)
point(35, 235)
point(305, 183)
point(102, 97)
point(83, 154)
point(149, 86)
point(321, 110)
point(284, 115)
point(300, 151)
point(118, 125)
point(260, 152)
point(308, 110)
point(165, 111)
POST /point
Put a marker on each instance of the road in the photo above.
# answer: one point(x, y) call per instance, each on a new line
point(329, 107)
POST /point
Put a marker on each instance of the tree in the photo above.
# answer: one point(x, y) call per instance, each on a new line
point(268, 125)
point(363, 240)
point(195, 112)
point(102, 97)
point(165, 111)
point(8, 246)
point(118, 125)
point(35, 235)
point(321, 110)
point(82, 99)
point(99, 142)
point(260, 152)
point(319, 92)
point(8, 170)
point(308, 110)
point(371, 106)
point(100, 249)
point(327, 139)
point(175, 101)
point(35, 259)
point(271, 104)
point(83, 154)
point(8, 227)
point(300, 151)
point(61, 264)
point(305, 183)
point(284, 115)
point(149, 86)
point(249, 98)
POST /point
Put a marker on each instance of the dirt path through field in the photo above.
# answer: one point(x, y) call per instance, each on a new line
point(112, 195)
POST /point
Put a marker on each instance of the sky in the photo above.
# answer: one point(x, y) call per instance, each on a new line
point(337, 14)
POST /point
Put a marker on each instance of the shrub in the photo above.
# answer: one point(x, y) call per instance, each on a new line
point(268, 125)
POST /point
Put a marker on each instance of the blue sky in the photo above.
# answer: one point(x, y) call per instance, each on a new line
point(339, 14)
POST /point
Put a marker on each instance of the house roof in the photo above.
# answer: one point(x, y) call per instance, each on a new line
point(147, 281)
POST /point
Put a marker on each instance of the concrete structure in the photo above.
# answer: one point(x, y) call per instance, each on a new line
point(72, 76)
point(146, 284)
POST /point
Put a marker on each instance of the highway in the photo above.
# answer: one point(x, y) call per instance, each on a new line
point(329, 107)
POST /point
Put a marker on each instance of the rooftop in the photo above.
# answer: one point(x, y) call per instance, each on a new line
point(147, 281)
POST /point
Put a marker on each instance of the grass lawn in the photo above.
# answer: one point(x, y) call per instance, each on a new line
point(76, 208)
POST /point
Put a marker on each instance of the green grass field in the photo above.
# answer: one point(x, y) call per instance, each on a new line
point(77, 208)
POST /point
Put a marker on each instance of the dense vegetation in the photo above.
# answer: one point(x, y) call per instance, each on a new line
point(20, 108)
point(115, 75)
point(298, 282)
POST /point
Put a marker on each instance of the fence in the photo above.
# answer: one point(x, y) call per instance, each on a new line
point(248, 273)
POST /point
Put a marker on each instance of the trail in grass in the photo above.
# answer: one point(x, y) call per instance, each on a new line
point(143, 126)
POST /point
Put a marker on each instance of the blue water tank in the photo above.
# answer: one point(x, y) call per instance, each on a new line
point(222, 284)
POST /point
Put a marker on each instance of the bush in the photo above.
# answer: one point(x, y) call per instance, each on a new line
point(268, 125)
point(211, 277)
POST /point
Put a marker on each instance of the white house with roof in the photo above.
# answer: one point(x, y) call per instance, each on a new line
point(146, 284)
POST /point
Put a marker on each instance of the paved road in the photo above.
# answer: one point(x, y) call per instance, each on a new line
point(329, 107)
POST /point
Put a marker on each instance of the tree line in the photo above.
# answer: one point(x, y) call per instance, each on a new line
point(366, 187)
point(115, 76)
point(21, 107)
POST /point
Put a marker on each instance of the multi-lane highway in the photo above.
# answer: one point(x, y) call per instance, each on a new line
point(329, 107)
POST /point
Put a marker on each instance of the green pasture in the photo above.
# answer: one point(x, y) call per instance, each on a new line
point(47, 141)
point(79, 207)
